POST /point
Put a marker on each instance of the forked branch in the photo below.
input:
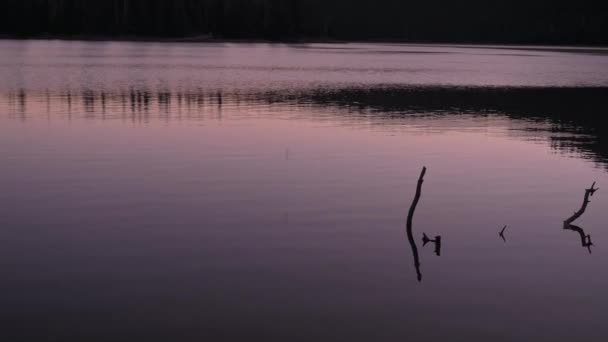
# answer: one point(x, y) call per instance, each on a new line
point(588, 193)
point(585, 238)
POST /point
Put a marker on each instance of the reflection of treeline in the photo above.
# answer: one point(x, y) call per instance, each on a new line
point(431, 20)
point(580, 113)
point(578, 110)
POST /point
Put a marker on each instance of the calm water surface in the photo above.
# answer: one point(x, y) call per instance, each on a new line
point(260, 192)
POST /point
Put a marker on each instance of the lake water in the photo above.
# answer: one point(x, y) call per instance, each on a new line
point(212, 192)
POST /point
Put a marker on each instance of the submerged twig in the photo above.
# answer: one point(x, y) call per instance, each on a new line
point(409, 227)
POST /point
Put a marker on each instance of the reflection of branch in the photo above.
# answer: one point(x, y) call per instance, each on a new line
point(410, 217)
point(585, 238)
point(588, 193)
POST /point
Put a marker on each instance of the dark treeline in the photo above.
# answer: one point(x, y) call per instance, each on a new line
point(501, 21)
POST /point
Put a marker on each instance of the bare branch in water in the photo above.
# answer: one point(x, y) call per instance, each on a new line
point(410, 218)
point(588, 193)
point(585, 238)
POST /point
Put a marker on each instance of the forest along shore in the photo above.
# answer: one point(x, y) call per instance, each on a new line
point(472, 21)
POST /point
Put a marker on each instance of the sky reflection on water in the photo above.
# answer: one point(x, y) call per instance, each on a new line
point(222, 204)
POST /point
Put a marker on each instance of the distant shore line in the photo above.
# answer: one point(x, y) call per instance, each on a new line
point(216, 40)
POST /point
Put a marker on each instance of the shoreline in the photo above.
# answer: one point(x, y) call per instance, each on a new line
point(211, 40)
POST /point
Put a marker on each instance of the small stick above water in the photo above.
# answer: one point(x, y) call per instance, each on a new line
point(588, 193)
point(502, 234)
point(585, 238)
point(436, 241)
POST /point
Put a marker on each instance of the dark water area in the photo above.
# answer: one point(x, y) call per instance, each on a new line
point(257, 191)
